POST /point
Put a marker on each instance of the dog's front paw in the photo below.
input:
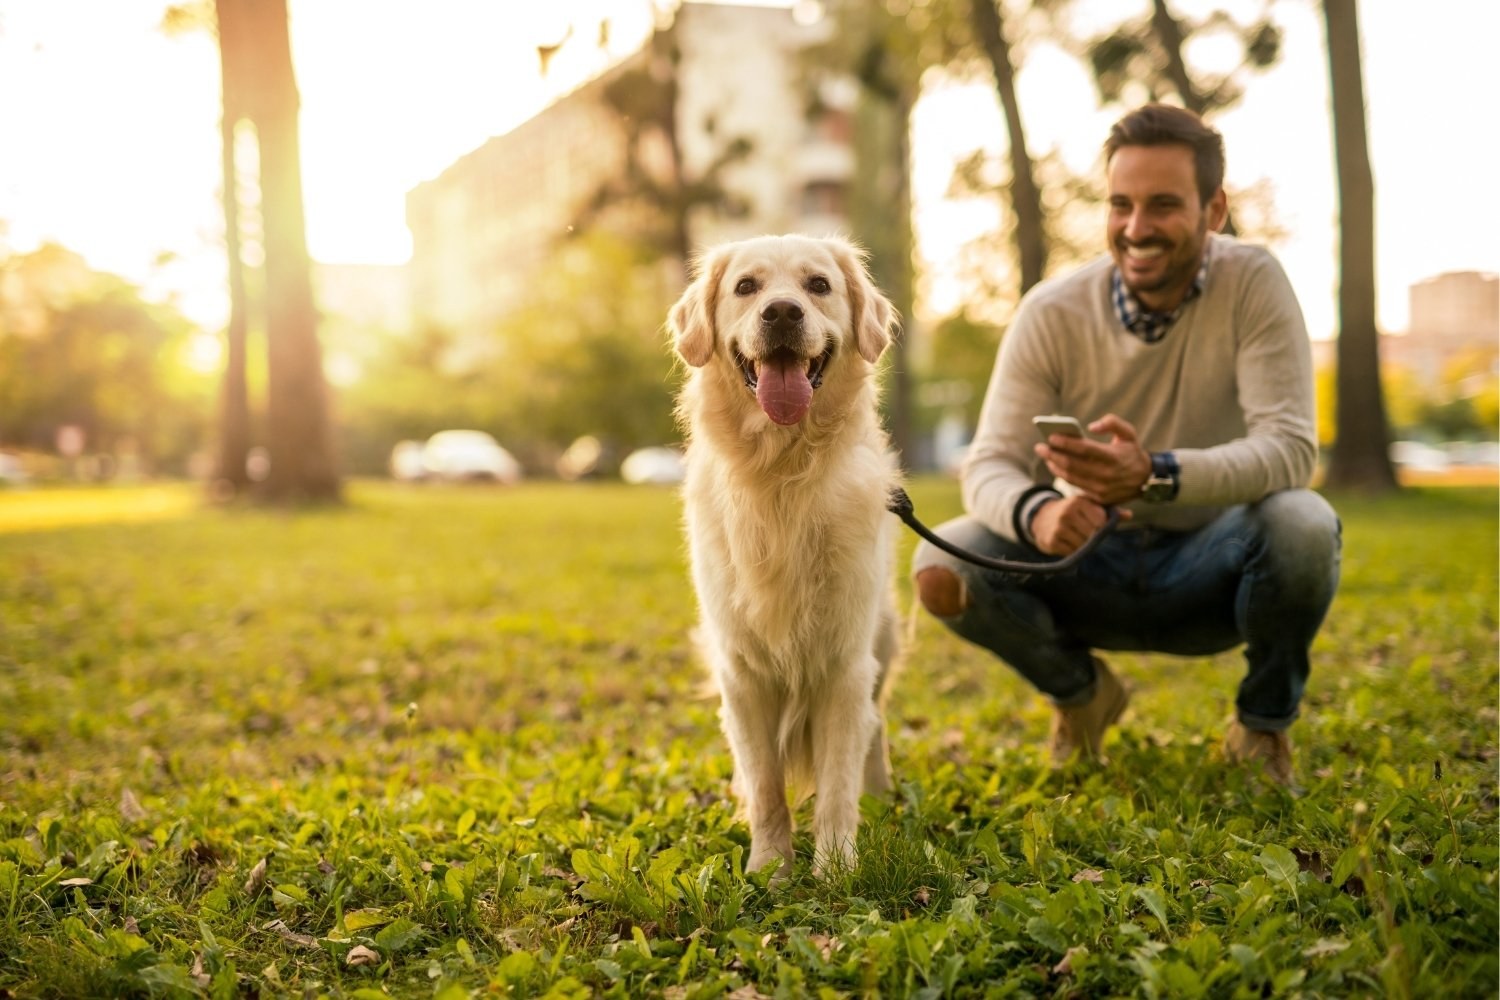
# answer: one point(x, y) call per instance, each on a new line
point(779, 856)
point(834, 857)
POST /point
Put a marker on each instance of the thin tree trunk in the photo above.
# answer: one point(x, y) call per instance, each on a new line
point(298, 432)
point(234, 417)
point(1361, 457)
point(1025, 196)
point(899, 281)
point(1169, 33)
point(880, 216)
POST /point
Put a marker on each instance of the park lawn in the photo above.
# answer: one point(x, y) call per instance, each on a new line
point(451, 742)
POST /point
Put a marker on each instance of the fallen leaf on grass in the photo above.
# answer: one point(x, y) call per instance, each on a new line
point(747, 993)
point(131, 927)
point(257, 880)
point(1324, 946)
point(130, 807)
point(360, 955)
point(281, 930)
point(198, 975)
point(70, 882)
point(1064, 966)
point(1089, 875)
point(357, 920)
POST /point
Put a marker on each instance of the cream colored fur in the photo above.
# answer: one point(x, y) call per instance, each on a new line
point(791, 544)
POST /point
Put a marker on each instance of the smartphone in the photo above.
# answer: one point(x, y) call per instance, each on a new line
point(1057, 423)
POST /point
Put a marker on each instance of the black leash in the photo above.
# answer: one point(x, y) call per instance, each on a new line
point(900, 504)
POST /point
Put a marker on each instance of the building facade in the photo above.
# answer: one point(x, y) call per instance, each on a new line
point(1455, 319)
point(483, 229)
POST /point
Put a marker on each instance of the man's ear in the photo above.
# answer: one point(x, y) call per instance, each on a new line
point(691, 319)
point(871, 313)
point(1218, 211)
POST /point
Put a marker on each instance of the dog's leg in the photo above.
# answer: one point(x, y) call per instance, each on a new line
point(842, 725)
point(751, 712)
point(878, 757)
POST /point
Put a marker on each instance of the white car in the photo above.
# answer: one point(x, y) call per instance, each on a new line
point(459, 455)
point(661, 466)
point(406, 461)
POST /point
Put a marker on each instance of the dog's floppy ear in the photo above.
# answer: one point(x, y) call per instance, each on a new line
point(691, 320)
point(870, 311)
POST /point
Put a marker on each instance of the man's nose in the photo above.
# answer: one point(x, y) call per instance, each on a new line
point(1137, 226)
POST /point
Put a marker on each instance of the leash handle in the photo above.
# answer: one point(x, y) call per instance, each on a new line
point(900, 504)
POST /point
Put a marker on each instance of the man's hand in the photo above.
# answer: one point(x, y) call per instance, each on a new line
point(1107, 473)
point(1060, 527)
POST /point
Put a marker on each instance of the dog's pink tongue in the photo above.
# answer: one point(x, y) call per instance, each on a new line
point(783, 390)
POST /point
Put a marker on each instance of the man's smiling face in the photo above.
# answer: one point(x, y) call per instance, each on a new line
point(1157, 223)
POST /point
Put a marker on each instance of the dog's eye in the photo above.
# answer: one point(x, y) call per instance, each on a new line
point(818, 285)
point(746, 286)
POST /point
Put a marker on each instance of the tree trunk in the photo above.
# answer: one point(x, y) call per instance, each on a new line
point(1168, 31)
point(234, 418)
point(1361, 459)
point(298, 427)
point(1025, 196)
point(880, 220)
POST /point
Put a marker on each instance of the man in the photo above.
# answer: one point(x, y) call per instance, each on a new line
point(1186, 353)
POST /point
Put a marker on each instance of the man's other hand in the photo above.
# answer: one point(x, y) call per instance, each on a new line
point(1060, 527)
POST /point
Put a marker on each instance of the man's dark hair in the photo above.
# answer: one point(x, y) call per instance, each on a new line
point(1166, 124)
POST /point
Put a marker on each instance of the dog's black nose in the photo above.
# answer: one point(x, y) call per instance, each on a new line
point(781, 312)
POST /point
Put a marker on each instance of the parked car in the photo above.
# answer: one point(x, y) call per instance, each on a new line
point(407, 463)
point(12, 471)
point(653, 465)
point(1419, 456)
point(464, 454)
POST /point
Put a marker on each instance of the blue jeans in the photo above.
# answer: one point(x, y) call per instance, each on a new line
point(1261, 574)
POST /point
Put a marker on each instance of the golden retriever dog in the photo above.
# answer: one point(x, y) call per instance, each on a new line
point(791, 545)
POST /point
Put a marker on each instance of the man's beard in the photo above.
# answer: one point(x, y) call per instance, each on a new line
point(1181, 264)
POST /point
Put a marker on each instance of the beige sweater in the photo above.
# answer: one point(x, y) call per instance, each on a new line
point(1229, 389)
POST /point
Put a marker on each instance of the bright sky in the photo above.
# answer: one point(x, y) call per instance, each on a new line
point(109, 131)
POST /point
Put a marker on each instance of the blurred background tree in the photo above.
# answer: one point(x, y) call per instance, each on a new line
point(82, 349)
point(1361, 454)
point(1144, 59)
point(261, 152)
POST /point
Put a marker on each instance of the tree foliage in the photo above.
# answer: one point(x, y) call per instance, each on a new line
point(82, 348)
point(584, 356)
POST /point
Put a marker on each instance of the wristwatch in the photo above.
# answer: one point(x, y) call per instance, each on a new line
point(1161, 485)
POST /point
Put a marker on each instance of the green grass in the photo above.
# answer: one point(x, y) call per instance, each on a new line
point(465, 735)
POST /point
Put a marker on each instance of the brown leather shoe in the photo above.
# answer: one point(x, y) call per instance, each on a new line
point(1079, 729)
point(1243, 745)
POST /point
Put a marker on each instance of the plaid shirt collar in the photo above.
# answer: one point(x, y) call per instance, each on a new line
point(1142, 322)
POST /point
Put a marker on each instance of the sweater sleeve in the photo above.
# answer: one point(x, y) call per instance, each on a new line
point(1000, 470)
point(1274, 381)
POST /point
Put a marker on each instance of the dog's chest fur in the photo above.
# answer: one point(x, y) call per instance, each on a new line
point(788, 568)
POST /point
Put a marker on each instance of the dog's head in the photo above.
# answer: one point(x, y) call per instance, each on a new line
point(785, 312)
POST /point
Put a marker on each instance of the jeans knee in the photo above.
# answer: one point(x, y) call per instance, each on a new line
point(942, 591)
point(1301, 525)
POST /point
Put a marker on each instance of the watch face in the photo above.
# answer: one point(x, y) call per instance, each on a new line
point(1157, 490)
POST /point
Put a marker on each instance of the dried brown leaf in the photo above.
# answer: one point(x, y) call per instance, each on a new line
point(281, 930)
point(198, 975)
point(360, 955)
point(1064, 966)
point(257, 879)
point(130, 807)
